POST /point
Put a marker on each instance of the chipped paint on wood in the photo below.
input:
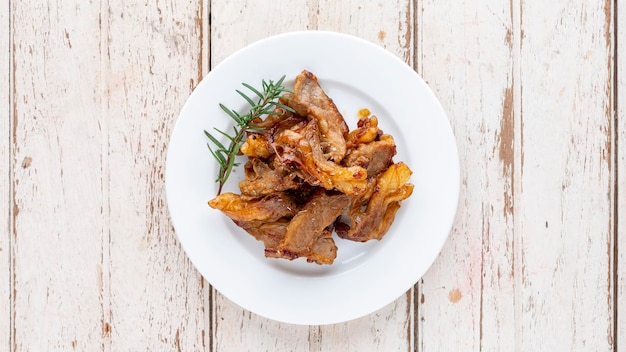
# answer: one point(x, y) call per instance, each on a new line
point(152, 285)
point(56, 176)
point(6, 207)
point(470, 288)
point(566, 181)
point(619, 177)
point(534, 93)
point(387, 329)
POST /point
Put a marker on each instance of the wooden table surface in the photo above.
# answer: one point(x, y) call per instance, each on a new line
point(534, 90)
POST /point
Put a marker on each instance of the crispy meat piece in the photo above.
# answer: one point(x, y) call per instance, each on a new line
point(256, 146)
point(262, 179)
point(293, 122)
point(271, 220)
point(313, 224)
point(272, 119)
point(324, 250)
point(302, 152)
point(367, 131)
point(305, 169)
point(374, 156)
point(241, 208)
point(373, 222)
point(310, 100)
point(270, 233)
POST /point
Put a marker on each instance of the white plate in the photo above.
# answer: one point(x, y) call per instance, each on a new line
point(365, 277)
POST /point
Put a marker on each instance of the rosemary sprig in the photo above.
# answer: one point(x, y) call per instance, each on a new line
point(267, 101)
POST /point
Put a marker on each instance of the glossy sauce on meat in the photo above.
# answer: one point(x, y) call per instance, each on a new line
point(308, 176)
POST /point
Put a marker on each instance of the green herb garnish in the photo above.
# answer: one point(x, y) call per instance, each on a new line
point(265, 105)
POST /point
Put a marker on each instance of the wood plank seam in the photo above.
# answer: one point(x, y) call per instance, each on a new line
point(615, 172)
point(416, 64)
point(105, 270)
point(411, 60)
point(517, 253)
point(205, 67)
point(613, 275)
point(11, 157)
point(538, 277)
point(105, 262)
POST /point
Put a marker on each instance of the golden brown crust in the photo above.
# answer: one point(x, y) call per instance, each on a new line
point(306, 172)
point(310, 101)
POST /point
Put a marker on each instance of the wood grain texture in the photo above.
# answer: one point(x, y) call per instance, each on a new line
point(564, 210)
point(57, 170)
point(535, 93)
point(235, 24)
point(389, 328)
point(390, 25)
point(153, 59)
point(468, 61)
point(6, 211)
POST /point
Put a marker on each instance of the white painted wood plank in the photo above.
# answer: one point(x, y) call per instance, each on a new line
point(235, 24)
point(6, 211)
point(390, 25)
point(158, 301)
point(465, 301)
point(388, 329)
point(564, 209)
point(237, 330)
point(620, 179)
point(57, 165)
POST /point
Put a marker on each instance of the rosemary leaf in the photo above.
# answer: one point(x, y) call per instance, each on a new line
point(268, 101)
point(220, 158)
point(282, 106)
point(255, 91)
point(219, 145)
point(232, 113)
point(247, 98)
point(280, 82)
point(231, 139)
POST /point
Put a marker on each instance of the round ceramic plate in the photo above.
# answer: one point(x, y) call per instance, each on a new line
point(365, 276)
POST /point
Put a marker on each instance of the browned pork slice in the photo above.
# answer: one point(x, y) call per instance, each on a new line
point(373, 222)
point(262, 179)
point(310, 100)
point(324, 250)
point(374, 156)
point(241, 208)
point(301, 152)
point(270, 233)
point(308, 233)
